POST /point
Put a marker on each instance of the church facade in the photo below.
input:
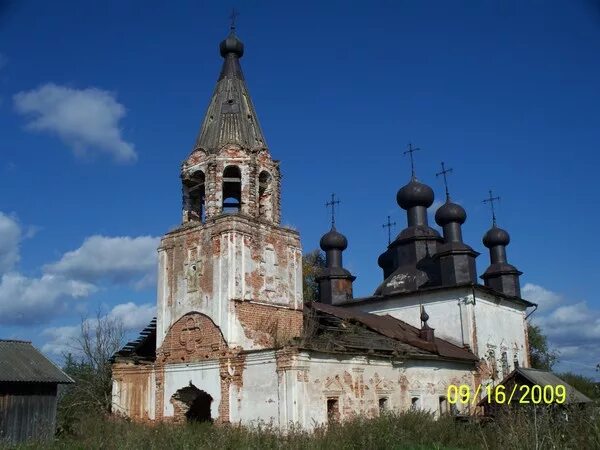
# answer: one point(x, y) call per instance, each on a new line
point(233, 340)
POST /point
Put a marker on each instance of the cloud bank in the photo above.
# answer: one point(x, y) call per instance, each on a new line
point(87, 120)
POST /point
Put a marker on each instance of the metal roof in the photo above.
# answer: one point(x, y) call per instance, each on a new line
point(230, 117)
point(400, 332)
point(544, 378)
point(22, 362)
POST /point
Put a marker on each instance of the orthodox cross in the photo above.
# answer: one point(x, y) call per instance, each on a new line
point(491, 199)
point(443, 173)
point(410, 151)
point(332, 203)
point(389, 226)
point(233, 16)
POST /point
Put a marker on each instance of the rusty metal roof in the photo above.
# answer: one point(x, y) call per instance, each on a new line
point(22, 362)
point(398, 331)
point(230, 117)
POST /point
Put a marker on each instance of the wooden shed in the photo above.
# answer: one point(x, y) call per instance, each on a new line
point(28, 388)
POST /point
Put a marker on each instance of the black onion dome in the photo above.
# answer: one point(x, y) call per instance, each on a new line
point(385, 259)
point(232, 44)
point(332, 240)
point(414, 194)
point(496, 236)
point(450, 212)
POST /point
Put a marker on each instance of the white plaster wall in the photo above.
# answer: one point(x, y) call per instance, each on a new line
point(258, 400)
point(204, 375)
point(282, 284)
point(314, 379)
point(482, 320)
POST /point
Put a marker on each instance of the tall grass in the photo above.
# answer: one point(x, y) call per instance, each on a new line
point(517, 429)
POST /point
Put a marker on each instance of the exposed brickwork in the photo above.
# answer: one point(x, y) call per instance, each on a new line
point(192, 338)
point(269, 326)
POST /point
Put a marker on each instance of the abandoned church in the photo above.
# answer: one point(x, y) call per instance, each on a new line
point(233, 340)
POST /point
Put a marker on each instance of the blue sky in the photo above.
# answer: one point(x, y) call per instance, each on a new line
point(101, 102)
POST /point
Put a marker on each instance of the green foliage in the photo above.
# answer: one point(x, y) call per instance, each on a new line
point(517, 429)
point(583, 384)
point(540, 354)
point(312, 263)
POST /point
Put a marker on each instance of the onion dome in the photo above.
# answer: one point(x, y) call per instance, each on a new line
point(232, 44)
point(332, 240)
point(414, 194)
point(496, 236)
point(385, 259)
point(450, 212)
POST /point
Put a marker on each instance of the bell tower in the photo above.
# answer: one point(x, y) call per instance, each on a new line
point(230, 260)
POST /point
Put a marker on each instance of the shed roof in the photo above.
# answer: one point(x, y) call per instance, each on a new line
point(544, 378)
point(22, 362)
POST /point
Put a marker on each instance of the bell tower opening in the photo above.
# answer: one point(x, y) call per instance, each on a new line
point(265, 196)
point(194, 197)
point(232, 190)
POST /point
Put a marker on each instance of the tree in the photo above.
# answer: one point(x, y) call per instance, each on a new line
point(90, 366)
point(312, 263)
point(541, 356)
point(583, 384)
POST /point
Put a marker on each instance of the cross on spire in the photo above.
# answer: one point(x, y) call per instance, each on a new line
point(491, 199)
point(389, 226)
point(232, 17)
point(444, 172)
point(410, 151)
point(332, 203)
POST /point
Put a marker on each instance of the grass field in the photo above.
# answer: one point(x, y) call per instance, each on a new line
point(415, 430)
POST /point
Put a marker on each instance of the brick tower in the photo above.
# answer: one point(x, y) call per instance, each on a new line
point(230, 270)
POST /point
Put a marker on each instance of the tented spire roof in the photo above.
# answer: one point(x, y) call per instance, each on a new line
point(231, 117)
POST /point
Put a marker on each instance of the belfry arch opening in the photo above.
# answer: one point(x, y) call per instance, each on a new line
point(232, 190)
point(192, 403)
point(265, 195)
point(194, 196)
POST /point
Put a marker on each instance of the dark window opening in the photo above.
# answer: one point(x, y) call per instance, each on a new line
point(443, 402)
point(383, 404)
point(194, 196)
point(232, 190)
point(333, 410)
point(415, 403)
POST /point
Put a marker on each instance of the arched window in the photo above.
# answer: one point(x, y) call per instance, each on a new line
point(265, 195)
point(193, 196)
point(232, 190)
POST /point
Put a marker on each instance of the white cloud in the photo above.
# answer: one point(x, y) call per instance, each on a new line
point(113, 259)
point(87, 120)
point(134, 318)
point(25, 300)
point(544, 298)
point(10, 238)
point(573, 328)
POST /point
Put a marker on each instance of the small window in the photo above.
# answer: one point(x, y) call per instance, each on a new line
point(415, 403)
point(443, 409)
point(232, 190)
point(333, 410)
point(383, 404)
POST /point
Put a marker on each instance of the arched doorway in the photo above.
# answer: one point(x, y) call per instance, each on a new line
point(192, 403)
